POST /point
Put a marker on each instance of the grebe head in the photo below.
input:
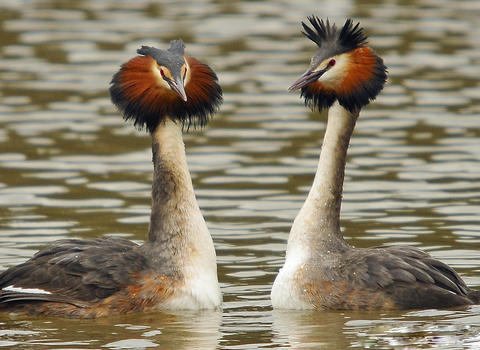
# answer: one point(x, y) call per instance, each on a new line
point(170, 65)
point(344, 68)
point(162, 84)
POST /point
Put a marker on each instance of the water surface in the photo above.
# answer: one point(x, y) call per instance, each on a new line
point(71, 167)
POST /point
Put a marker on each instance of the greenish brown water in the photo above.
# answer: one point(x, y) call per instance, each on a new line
point(70, 166)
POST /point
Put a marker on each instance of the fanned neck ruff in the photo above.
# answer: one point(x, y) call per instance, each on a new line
point(364, 77)
point(137, 92)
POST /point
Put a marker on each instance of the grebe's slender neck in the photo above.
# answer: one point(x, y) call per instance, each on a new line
point(318, 223)
point(172, 189)
point(175, 218)
point(178, 240)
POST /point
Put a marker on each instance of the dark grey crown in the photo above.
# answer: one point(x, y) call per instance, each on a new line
point(171, 58)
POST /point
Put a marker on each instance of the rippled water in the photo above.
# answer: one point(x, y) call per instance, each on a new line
point(70, 166)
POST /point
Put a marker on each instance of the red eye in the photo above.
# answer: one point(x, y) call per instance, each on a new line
point(185, 70)
point(161, 72)
point(332, 63)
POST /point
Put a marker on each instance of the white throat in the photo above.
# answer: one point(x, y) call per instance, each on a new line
point(316, 228)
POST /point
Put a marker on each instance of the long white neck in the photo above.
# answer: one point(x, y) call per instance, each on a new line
point(315, 234)
point(178, 239)
point(317, 226)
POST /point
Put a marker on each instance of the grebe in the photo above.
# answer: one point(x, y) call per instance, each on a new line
point(321, 270)
point(164, 91)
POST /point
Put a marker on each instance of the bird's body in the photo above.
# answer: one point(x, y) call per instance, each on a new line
point(321, 270)
point(165, 91)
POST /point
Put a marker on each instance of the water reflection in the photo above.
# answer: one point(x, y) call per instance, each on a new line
point(311, 330)
point(174, 331)
point(371, 330)
point(70, 167)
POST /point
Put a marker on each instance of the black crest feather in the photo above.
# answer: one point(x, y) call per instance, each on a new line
point(323, 34)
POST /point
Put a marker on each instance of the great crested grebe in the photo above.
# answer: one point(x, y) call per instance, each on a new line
point(164, 91)
point(321, 270)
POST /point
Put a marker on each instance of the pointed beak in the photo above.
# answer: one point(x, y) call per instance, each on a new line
point(177, 86)
point(307, 78)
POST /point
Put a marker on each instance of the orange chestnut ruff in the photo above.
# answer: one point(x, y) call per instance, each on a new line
point(136, 92)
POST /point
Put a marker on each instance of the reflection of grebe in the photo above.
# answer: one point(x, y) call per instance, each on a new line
point(321, 270)
point(163, 90)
